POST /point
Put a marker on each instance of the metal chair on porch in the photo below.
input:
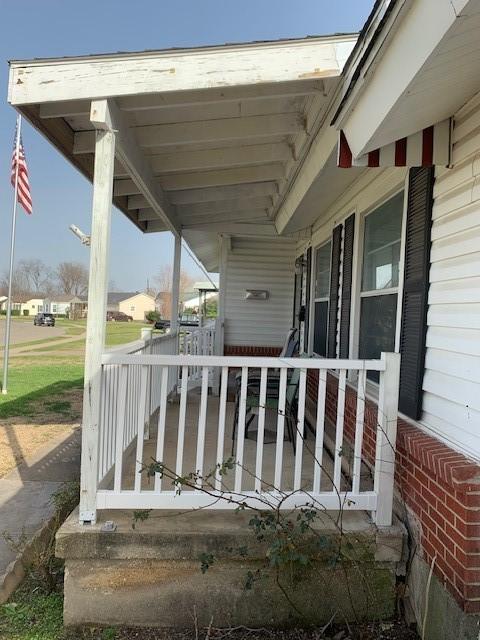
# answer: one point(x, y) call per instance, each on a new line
point(271, 402)
point(289, 350)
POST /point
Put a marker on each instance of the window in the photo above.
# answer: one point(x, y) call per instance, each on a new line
point(380, 276)
point(321, 297)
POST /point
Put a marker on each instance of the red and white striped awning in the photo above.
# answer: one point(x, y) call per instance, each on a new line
point(422, 149)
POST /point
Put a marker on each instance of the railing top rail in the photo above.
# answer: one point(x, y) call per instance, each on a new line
point(164, 336)
point(241, 361)
point(128, 348)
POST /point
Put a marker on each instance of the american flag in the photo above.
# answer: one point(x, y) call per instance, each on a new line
point(24, 196)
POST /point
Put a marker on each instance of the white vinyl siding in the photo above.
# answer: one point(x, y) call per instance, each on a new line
point(451, 400)
point(265, 264)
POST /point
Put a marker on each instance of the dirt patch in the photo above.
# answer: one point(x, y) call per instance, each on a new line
point(21, 436)
point(20, 441)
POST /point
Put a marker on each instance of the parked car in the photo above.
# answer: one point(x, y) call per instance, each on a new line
point(118, 316)
point(162, 324)
point(183, 321)
point(189, 321)
point(44, 320)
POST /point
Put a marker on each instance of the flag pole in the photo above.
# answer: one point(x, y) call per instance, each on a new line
point(12, 251)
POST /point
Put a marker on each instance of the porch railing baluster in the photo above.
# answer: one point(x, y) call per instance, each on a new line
point(337, 469)
point(319, 430)
point(300, 430)
point(241, 429)
point(360, 416)
point(122, 397)
point(282, 396)
point(202, 425)
point(181, 421)
point(162, 418)
point(221, 424)
point(143, 378)
point(261, 428)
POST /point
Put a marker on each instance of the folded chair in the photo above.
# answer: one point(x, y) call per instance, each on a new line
point(271, 402)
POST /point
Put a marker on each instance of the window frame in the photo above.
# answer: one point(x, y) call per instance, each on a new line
point(398, 290)
point(313, 298)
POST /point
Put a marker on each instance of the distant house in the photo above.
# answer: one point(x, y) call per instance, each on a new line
point(68, 305)
point(202, 292)
point(135, 304)
point(30, 306)
point(3, 303)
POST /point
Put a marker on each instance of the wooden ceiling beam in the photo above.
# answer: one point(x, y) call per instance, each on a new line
point(145, 215)
point(222, 177)
point(223, 206)
point(206, 131)
point(220, 158)
point(213, 194)
point(204, 97)
point(234, 228)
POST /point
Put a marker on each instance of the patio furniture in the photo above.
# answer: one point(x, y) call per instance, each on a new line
point(271, 402)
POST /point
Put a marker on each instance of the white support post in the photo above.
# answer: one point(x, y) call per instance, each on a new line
point(177, 258)
point(97, 306)
point(220, 321)
point(386, 438)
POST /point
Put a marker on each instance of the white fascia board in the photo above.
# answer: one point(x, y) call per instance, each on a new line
point(94, 77)
point(392, 67)
point(321, 149)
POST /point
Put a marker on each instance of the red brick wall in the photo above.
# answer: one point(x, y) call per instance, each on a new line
point(266, 352)
point(440, 486)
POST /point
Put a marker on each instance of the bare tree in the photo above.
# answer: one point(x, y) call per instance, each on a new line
point(72, 278)
point(20, 286)
point(37, 275)
point(163, 282)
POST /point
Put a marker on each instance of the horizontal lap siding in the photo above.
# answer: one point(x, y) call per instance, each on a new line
point(451, 405)
point(259, 264)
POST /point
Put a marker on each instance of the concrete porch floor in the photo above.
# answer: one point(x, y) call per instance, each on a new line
point(211, 435)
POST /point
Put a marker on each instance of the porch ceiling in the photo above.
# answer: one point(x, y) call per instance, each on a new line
point(209, 139)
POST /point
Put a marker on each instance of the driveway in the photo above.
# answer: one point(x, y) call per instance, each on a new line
point(25, 331)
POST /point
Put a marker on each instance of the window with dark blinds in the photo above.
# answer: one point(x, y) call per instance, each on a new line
point(415, 289)
point(334, 285)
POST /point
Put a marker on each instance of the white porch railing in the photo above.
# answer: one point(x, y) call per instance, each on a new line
point(124, 402)
point(141, 389)
point(198, 341)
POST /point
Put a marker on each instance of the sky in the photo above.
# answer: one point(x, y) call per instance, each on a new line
point(61, 196)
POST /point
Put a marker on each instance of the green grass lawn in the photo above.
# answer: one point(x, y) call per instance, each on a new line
point(28, 616)
point(123, 332)
point(40, 378)
point(33, 382)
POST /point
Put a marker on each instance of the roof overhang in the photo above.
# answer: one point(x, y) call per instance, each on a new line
point(208, 140)
point(423, 67)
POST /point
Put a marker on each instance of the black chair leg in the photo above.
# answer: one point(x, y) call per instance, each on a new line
point(248, 423)
point(235, 422)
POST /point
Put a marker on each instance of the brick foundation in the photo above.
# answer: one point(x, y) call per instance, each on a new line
point(265, 352)
point(439, 486)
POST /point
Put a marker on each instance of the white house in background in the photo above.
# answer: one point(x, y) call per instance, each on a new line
point(3, 302)
point(342, 197)
point(68, 305)
point(31, 306)
point(201, 293)
point(135, 304)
